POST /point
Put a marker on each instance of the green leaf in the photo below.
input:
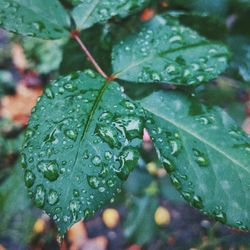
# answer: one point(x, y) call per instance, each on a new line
point(241, 56)
point(205, 153)
point(90, 12)
point(17, 219)
point(164, 51)
point(219, 7)
point(140, 226)
point(81, 143)
point(45, 19)
point(43, 56)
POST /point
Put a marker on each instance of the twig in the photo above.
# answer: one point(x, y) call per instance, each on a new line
point(75, 35)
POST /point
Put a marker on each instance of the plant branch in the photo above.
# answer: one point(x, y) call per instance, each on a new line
point(75, 35)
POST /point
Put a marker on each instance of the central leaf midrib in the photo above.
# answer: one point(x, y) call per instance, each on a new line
point(88, 122)
point(211, 145)
point(163, 53)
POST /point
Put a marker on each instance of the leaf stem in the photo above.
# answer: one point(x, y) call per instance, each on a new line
point(75, 35)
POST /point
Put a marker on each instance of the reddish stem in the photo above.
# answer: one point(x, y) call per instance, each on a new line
point(75, 35)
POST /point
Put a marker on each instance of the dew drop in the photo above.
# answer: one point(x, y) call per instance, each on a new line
point(197, 202)
point(93, 181)
point(49, 169)
point(71, 134)
point(168, 165)
point(96, 160)
point(201, 158)
point(39, 198)
point(74, 207)
point(29, 178)
point(49, 93)
point(53, 197)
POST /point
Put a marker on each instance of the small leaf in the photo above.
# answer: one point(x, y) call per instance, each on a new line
point(81, 143)
point(90, 12)
point(45, 19)
point(168, 52)
point(205, 153)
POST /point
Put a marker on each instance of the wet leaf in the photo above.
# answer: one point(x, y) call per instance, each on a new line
point(45, 19)
point(81, 143)
point(89, 12)
point(164, 51)
point(205, 153)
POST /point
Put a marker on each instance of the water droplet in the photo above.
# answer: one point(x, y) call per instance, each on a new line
point(108, 135)
point(133, 126)
point(201, 158)
point(187, 196)
point(219, 215)
point(110, 182)
point(39, 198)
point(49, 93)
point(93, 182)
point(174, 39)
point(86, 155)
point(49, 169)
point(176, 182)
point(128, 158)
point(90, 73)
point(23, 161)
point(108, 155)
point(101, 189)
point(70, 87)
point(106, 117)
point(74, 207)
point(53, 197)
point(197, 202)
point(168, 165)
point(86, 213)
point(96, 160)
point(71, 134)
point(29, 178)
point(128, 105)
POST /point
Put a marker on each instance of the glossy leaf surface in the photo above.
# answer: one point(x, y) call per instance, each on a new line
point(89, 12)
point(164, 51)
point(205, 153)
point(81, 143)
point(45, 19)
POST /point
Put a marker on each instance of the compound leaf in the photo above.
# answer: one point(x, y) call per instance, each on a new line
point(81, 143)
point(45, 19)
point(165, 51)
point(89, 12)
point(205, 153)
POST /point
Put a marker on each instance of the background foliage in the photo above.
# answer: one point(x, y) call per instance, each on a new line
point(119, 35)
